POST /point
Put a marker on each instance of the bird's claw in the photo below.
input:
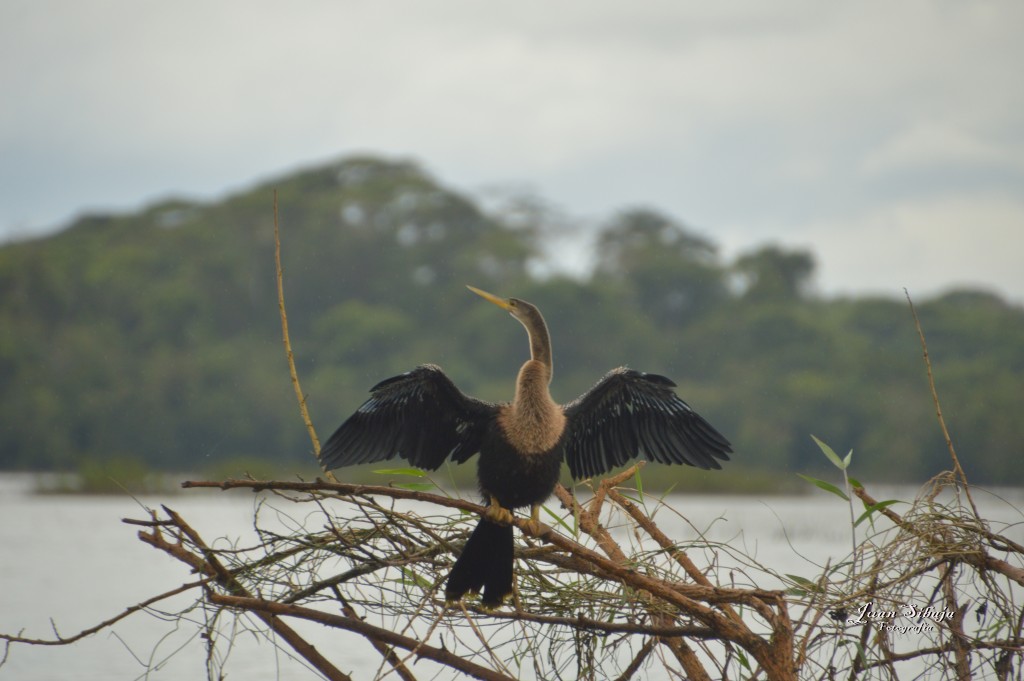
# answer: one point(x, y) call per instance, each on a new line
point(537, 529)
point(534, 526)
point(498, 515)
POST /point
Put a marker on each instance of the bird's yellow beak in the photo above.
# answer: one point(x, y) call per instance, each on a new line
point(500, 302)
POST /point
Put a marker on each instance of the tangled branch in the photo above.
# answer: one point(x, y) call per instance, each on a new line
point(565, 585)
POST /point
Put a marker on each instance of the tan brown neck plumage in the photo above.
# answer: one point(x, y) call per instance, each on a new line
point(533, 422)
point(540, 347)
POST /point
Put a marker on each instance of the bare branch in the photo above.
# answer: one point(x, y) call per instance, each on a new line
point(286, 339)
point(66, 640)
point(360, 627)
point(209, 564)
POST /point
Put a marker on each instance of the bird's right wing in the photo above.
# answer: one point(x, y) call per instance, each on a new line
point(419, 416)
point(632, 414)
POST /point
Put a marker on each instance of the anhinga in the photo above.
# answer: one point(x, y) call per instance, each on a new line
point(422, 417)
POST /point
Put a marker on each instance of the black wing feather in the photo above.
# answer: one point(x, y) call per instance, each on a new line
point(630, 414)
point(419, 416)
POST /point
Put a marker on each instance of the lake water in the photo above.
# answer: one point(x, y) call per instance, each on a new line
point(70, 560)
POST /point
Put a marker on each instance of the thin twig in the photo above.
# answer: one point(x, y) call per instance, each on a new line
point(210, 565)
point(286, 339)
point(638, 659)
point(359, 626)
point(938, 407)
point(65, 640)
point(386, 652)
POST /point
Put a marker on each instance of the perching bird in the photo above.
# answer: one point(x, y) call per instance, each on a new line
point(422, 417)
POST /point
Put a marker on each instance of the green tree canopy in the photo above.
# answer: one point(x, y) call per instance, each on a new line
point(155, 334)
point(771, 273)
point(674, 274)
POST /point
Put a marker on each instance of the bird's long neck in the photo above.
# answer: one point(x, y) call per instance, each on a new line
point(534, 422)
point(532, 385)
point(540, 345)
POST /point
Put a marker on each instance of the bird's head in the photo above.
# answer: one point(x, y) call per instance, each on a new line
point(530, 317)
point(525, 312)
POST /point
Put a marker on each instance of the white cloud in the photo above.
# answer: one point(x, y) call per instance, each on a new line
point(932, 144)
point(748, 120)
point(924, 245)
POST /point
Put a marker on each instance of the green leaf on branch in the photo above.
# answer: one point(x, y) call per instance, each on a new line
point(841, 464)
point(804, 585)
point(828, 487)
point(415, 486)
point(869, 510)
point(413, 472)
point(560, 520)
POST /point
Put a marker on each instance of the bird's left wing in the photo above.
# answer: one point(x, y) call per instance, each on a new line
point(631, 414)
point(419, 416)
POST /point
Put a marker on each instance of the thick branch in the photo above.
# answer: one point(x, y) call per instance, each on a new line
point(689, 598)
point(679, 593)
point(590, 523)
point(354, 624)
point(209, 565)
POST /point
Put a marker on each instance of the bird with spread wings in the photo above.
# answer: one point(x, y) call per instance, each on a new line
point(422, 417)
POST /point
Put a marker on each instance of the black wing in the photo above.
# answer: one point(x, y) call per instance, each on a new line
point(419, 416)
point(631, 414)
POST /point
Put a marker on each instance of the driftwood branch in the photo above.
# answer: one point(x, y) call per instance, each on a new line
point(206, 562)
point(708, 607)
point(360, 627)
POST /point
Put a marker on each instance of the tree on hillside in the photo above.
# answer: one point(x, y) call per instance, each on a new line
point(773, 274)
point(675, 274)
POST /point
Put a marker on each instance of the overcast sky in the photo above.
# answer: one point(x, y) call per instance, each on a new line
point(886, 137)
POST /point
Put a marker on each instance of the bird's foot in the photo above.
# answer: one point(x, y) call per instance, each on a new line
point(537, 529)
point(491, 606)
point(534, 526)
point(498, 514)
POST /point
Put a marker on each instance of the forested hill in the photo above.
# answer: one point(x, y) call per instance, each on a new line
point(156, 334)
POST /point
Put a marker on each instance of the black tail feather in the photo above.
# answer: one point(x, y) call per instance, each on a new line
point(485, 563)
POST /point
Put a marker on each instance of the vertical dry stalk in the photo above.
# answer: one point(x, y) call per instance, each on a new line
point(286, 339)
point(957, 468)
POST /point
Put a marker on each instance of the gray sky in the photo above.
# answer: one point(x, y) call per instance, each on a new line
point(886, 137)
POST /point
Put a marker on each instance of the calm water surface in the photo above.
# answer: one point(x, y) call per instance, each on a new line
point(72, 562)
